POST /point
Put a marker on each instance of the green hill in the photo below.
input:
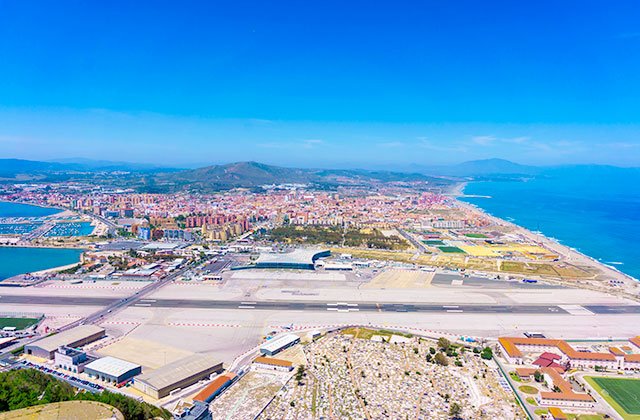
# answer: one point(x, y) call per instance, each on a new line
point(255, 174)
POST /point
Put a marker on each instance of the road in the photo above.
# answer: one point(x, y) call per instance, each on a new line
point(117, 305)
point(104, 220)
point(409, 237)
point(110, 305)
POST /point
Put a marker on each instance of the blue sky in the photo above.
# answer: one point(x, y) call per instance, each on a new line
point(380, 84)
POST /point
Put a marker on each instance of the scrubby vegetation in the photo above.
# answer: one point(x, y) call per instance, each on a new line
point(336, 235)
point(28, 387)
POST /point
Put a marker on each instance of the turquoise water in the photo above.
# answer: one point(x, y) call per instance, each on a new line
point(596, 213)
point(15, 261)
point(25, 210)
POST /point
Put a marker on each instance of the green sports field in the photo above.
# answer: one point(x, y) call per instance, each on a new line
point(19, 323)
point(451, 249)
point(433, 242)
point(622, 393)
point(475, 235)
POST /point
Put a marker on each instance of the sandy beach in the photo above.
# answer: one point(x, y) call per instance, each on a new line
point(54, 269)
point(567, 254)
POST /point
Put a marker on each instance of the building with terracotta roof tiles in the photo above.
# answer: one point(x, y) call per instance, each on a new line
point(632, 361)
point(273, 364)
point(566, 396)
point(513, 349)
point(557, 413)
point(525, 372)
point(215, 388)
point(635, 341)
point(616, 351)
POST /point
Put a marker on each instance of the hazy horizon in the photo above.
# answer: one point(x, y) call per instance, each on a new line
point(412, 167)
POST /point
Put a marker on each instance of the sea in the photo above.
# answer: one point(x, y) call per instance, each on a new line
point(17, 260)
point(9, 209)
point(593, 210)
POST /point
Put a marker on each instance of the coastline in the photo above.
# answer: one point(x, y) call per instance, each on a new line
point(571, 254)
point(53, 269)
point(30, 245)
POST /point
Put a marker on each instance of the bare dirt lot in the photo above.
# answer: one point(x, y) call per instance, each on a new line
point(400, 279)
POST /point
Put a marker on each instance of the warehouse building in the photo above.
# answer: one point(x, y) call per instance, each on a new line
point(179, 374)
point(269, 363)
point(215, 388)
point(6, 341)
point(276, 345)
point(75, 337)
point(113, 370)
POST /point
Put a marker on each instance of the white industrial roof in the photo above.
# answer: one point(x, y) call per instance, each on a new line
point(65, 338)
point(161, 246)
point(338, 266)
point(178, 370)
point(297, 256)
point(4, 340)
point(276, 344)
point(112, 366)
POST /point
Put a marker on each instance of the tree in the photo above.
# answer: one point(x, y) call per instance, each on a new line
point(28, 387)
point(300, 374)
point(538, 376)
point(441, 359)
point(455, 410)
point(487, 353)
point(443, 344)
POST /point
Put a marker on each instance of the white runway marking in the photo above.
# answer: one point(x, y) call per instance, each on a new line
point(576, 310)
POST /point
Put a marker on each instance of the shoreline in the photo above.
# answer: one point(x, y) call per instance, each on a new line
point(53, 269)
point(552, 243)
point(29, 245)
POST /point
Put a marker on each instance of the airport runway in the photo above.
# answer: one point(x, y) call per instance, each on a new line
point(320, 306)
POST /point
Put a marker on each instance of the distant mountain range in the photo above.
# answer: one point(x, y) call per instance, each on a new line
point(154, 178)
point(254, 174)
point(10, 168)
point(108, 165)
point(25, 170)
point(475, 168)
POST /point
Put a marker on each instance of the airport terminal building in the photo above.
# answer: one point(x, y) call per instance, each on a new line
point(298, 259)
